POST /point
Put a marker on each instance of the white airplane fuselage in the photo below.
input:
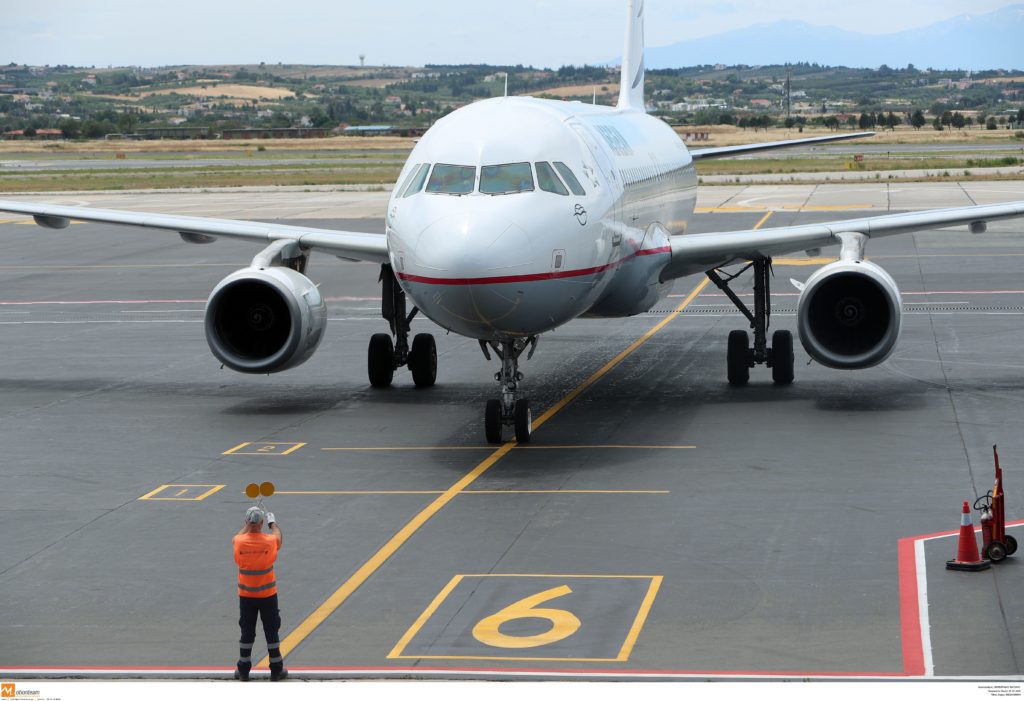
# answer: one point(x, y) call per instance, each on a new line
point(505, 266)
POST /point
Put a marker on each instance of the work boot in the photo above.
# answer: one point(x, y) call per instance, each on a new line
point(278, 675)
point(241, 676)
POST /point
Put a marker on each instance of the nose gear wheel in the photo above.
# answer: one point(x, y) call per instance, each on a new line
point(511, 409)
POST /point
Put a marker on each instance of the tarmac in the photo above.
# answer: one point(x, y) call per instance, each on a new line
point(661, 525)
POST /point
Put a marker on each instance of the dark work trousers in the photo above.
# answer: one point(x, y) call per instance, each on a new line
point(266, 608)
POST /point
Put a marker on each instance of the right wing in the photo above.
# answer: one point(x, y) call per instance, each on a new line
point(698, 253)
point(350, 245)
point(726, 151)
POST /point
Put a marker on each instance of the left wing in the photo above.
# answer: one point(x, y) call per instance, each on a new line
point(697, 253)
point(726, 151)
point(344, 244)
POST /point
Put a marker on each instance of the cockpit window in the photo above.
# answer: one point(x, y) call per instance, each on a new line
point(570, 179)
point(506, 179)
point(415, 182)
point(548, 181)
point(452, 180)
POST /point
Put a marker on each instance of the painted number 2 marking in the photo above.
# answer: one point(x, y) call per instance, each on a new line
point(563, 623)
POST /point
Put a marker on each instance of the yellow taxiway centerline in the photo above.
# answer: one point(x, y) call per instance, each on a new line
point(350, 585)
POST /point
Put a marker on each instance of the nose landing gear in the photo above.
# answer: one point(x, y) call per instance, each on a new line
point(511, 410)
point(384, 356)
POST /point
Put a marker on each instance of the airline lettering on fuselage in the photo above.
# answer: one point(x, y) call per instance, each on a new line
point(615, 140)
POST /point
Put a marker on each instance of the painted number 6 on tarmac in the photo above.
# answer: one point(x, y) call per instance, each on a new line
point(563, 623)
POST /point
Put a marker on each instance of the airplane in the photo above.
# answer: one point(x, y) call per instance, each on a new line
point(514, 216)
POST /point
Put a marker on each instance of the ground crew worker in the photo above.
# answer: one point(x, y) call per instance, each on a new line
point(255, 554)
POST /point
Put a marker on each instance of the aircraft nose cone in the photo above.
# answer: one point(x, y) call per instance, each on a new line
point(472, 245)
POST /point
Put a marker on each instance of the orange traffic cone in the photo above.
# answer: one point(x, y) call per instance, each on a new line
point(967, 557)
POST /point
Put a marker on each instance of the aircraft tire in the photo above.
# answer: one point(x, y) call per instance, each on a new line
point(738, 358)
point(782, 357)
point(423, 360)
point(492, 421)
point(523, 420)
point(380, 360)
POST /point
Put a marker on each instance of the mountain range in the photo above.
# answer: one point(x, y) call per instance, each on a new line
point(969, 42)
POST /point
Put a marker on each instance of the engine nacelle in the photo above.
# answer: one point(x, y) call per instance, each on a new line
point(264, 320)
point(849, 315)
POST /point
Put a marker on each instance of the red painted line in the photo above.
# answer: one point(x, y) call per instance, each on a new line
point(531, 277)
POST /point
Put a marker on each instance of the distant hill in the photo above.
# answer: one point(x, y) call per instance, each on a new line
point(972, 42)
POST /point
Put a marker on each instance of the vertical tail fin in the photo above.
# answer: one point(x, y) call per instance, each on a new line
point(631, 94)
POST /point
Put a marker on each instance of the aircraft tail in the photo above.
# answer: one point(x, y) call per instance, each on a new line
point(631, 94)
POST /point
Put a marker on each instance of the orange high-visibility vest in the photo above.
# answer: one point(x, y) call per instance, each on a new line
point(255, 554)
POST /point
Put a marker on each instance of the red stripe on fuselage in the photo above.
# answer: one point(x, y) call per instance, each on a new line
point(532, 277)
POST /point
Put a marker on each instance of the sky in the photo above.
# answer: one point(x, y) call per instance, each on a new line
point(543, 33)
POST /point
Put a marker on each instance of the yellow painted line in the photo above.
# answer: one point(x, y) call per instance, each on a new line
point(414, 448)
point(567, 399)
point(568, 491)
point(641, 618)
point(292, 449)
point(531, 446)
point(356, 492)
point(237, 447)
point(605, 447)
point(307, 626)
point(765, 218)
point(336, 599)
point(399, 647)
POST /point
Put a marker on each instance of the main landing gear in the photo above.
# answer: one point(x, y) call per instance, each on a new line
point(511, 410)
point(741, 357)
point(385, 356)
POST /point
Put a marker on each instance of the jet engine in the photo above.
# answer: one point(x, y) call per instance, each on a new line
point(849, 315)
point(264, 320)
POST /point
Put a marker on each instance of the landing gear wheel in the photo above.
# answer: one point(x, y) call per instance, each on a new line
point(492, 421)
point(1011, 545)
point(423, 360)
point(380, 360)
point(782, 357)
point(738, 358)
point(996, 551)
point(523, 420)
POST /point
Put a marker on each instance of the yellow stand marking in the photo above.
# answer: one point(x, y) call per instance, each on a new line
point(264, 448)
point(183, 489)
point(340, 595)
point(522, 609)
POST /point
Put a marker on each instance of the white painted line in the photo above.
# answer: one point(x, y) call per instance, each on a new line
point(922, 608)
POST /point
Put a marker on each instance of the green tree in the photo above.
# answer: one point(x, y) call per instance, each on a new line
point(937, 124)
point(958, 121)
point(991, 124)
point(892, 121)
point(947, 118)
point(917, 119)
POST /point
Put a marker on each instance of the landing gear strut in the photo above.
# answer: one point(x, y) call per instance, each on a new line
point(386, 355)
point(741, 357)
point(511, 410)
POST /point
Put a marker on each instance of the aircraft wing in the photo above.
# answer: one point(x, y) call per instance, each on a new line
point(697, 253)
point(344, 244)
point(726, 151)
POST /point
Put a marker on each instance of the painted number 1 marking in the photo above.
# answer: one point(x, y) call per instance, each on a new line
point(563, 623)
